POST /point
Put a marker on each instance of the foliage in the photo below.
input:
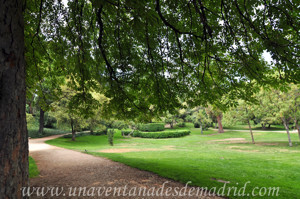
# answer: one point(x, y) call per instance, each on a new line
point(161, 134)
point(110, 135)
point(31, 122)
point(200, 118)
point(148, 56)
point(152, 127)
point(181, 124)
point(197, 124)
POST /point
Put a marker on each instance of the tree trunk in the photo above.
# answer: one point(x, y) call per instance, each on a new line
point(286, 125)
point(297, 127)
point(201, 129)
point(13, 131)
point(73, 130)
point(220, 126)
point(252, 137)
point(42, 119)
point(269, 126)
point(263, 126)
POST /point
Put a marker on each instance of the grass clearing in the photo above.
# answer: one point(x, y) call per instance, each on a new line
point(205, 161)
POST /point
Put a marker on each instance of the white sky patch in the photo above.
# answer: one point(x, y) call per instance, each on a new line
point(267, 57)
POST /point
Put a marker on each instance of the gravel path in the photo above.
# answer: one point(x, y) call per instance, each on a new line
point(64, 169)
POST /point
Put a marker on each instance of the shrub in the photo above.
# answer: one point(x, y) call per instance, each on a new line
point(164, 134)
point(181, 124)
point(110, 135)
point(99, 133)
point(152, 127)
point(197, 125)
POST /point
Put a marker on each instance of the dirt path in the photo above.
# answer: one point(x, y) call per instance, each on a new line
point(65, 168)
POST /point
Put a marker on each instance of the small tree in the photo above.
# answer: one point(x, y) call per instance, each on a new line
point(216, 115)
point(202, 118)
point(110, 136)
point(244, 113)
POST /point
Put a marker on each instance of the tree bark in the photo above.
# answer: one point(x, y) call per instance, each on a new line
point(201, 129)
point(73, 130)
point(252, 137)
point(13, 131)
point(42, 119)
point(286, 125)
point(220, 126)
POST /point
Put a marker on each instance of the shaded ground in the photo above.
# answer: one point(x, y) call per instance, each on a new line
point(65, 168)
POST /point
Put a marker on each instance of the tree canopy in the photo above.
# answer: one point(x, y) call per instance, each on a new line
point(155, 53)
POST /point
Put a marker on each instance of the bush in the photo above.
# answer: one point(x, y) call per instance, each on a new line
point(181, 124)
point(110, 135)
point(152, 127)
point(197, 125)
point(126, 132)
point(99, 132)
point(164, 134)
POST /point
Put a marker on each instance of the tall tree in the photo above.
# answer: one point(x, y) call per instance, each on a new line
point(13, 132)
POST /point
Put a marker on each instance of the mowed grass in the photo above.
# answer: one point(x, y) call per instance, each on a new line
point(33, 170)
point(204, 159)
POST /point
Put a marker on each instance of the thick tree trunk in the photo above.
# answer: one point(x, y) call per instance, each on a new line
point(13, 132)
point(263, 126)
point(286, 125)
point(220, 126)
point(42, 118)
point(252, 137)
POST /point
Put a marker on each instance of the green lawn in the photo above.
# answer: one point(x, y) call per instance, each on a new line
point(204, 158)
point(33, 170)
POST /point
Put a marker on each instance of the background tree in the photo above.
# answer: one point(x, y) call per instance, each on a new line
point(216, 115)
point(201, 117)
point(244, 113)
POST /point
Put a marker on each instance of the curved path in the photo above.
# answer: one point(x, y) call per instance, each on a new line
point(102, 178)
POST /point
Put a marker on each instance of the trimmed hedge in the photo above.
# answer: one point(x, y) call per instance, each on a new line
point(181, 124)
point(152, 127)
point(164, 134)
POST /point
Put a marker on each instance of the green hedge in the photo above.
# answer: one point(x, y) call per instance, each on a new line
point(181, 124)
point(164, 134)
point(152, 127)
